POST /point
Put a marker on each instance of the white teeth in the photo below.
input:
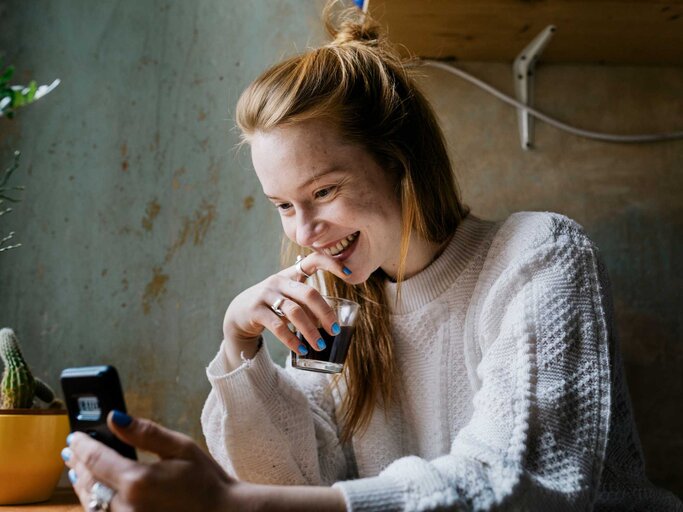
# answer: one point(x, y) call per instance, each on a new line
point(341, 245)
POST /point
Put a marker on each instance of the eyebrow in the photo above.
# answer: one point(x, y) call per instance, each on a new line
point(312, 179)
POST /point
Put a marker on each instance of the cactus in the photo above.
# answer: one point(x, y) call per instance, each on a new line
point(19, 387)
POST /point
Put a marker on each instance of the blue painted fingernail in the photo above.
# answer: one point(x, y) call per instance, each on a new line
point(303, 350)
point(321, 344)
point(121, 418)
point(66, 454)
point(69, 438)
point(72, 476)
point(335, 328)
point(347, 271)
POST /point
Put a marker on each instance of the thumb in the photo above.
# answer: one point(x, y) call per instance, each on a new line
point(150, 436)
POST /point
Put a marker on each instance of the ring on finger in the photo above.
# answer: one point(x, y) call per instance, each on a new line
point(275, 306)
point(100, 498)
point(301, 271)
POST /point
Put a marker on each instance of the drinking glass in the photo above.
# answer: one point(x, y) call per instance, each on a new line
point(332, 358)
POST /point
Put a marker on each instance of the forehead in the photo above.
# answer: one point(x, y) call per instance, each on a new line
point(288, 156)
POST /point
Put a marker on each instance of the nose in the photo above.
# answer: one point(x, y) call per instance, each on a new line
point(308, 227)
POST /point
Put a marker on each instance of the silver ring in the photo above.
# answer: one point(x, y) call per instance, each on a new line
point(299, 259)
point(100, 498)
point(275, 306)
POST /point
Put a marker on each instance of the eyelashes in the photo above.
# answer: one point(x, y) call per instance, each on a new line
point(323, 193)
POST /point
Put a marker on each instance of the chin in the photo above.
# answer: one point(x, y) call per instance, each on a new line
point(356, 279)
point(358, 276)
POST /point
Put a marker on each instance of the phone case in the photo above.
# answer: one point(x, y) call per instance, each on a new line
point(90, 393)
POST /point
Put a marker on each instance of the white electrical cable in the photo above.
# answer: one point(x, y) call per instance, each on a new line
point(648, 137)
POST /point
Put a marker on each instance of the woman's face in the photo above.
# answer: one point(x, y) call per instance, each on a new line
point(332, 196)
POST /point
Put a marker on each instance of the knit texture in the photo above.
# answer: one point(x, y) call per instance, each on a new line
point(512, 390)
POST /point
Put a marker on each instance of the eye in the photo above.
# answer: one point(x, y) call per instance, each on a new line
point(283, 207)
point(324, 192)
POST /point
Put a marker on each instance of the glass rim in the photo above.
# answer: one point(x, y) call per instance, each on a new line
point(341, 301)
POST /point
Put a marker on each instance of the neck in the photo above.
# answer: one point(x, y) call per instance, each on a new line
point(421, 253)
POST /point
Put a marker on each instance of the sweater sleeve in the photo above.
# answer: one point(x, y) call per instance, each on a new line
point(536, 439)
point(263, 427)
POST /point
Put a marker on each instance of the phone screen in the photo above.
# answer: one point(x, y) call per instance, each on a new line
point(91, 392)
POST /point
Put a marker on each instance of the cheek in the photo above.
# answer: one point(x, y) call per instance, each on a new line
point(290, 231)
point(381, 212)
point(289, 228)
point(363, 209)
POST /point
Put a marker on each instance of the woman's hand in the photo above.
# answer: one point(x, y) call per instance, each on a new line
point(185, 478)
point(303, 306)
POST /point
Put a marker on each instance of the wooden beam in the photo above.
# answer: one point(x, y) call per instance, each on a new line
point(592, 31)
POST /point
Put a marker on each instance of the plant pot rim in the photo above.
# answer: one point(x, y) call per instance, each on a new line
point(32, 412)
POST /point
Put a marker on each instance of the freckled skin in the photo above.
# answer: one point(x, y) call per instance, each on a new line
point(362, 198)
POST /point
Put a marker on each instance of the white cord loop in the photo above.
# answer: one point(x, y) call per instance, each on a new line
point(608, 137)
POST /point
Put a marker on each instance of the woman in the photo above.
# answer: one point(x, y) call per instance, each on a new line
point(484, 372)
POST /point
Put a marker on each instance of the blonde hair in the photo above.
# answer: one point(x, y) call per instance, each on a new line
point(359, 83)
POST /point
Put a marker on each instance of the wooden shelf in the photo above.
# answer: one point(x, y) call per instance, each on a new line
point(639, 32)
point(62, 500)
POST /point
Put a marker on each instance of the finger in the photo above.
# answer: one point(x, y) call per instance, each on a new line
point(71, 462)
point(279, 327)
point(316, 261)
point(150, 436)
point(295, 288)
point(317, 309)
point(97, 459)
point(304, 324)
point(80, 484)
point(83, 482)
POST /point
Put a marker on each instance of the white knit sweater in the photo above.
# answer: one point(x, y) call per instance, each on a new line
point(513, 390)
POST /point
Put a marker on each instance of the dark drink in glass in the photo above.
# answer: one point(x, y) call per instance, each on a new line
point(331, 359)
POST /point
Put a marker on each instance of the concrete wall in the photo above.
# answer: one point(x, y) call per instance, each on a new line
point(140, 221)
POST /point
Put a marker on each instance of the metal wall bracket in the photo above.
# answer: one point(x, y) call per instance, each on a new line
point(523, 69)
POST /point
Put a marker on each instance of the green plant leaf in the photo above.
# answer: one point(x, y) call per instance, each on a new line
point(18, 99)
point(6, 75)
point(32, 88)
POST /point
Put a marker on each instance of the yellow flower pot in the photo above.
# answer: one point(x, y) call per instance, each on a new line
point(30, 462)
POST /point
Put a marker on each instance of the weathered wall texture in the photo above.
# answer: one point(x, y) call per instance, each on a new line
point(140, 221)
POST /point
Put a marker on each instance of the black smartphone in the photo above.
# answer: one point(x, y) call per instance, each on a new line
point(90, 393)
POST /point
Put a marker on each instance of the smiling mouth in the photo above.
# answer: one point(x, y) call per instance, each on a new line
point(341, 245)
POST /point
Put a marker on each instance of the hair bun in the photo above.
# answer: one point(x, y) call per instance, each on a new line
point(351, 25)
